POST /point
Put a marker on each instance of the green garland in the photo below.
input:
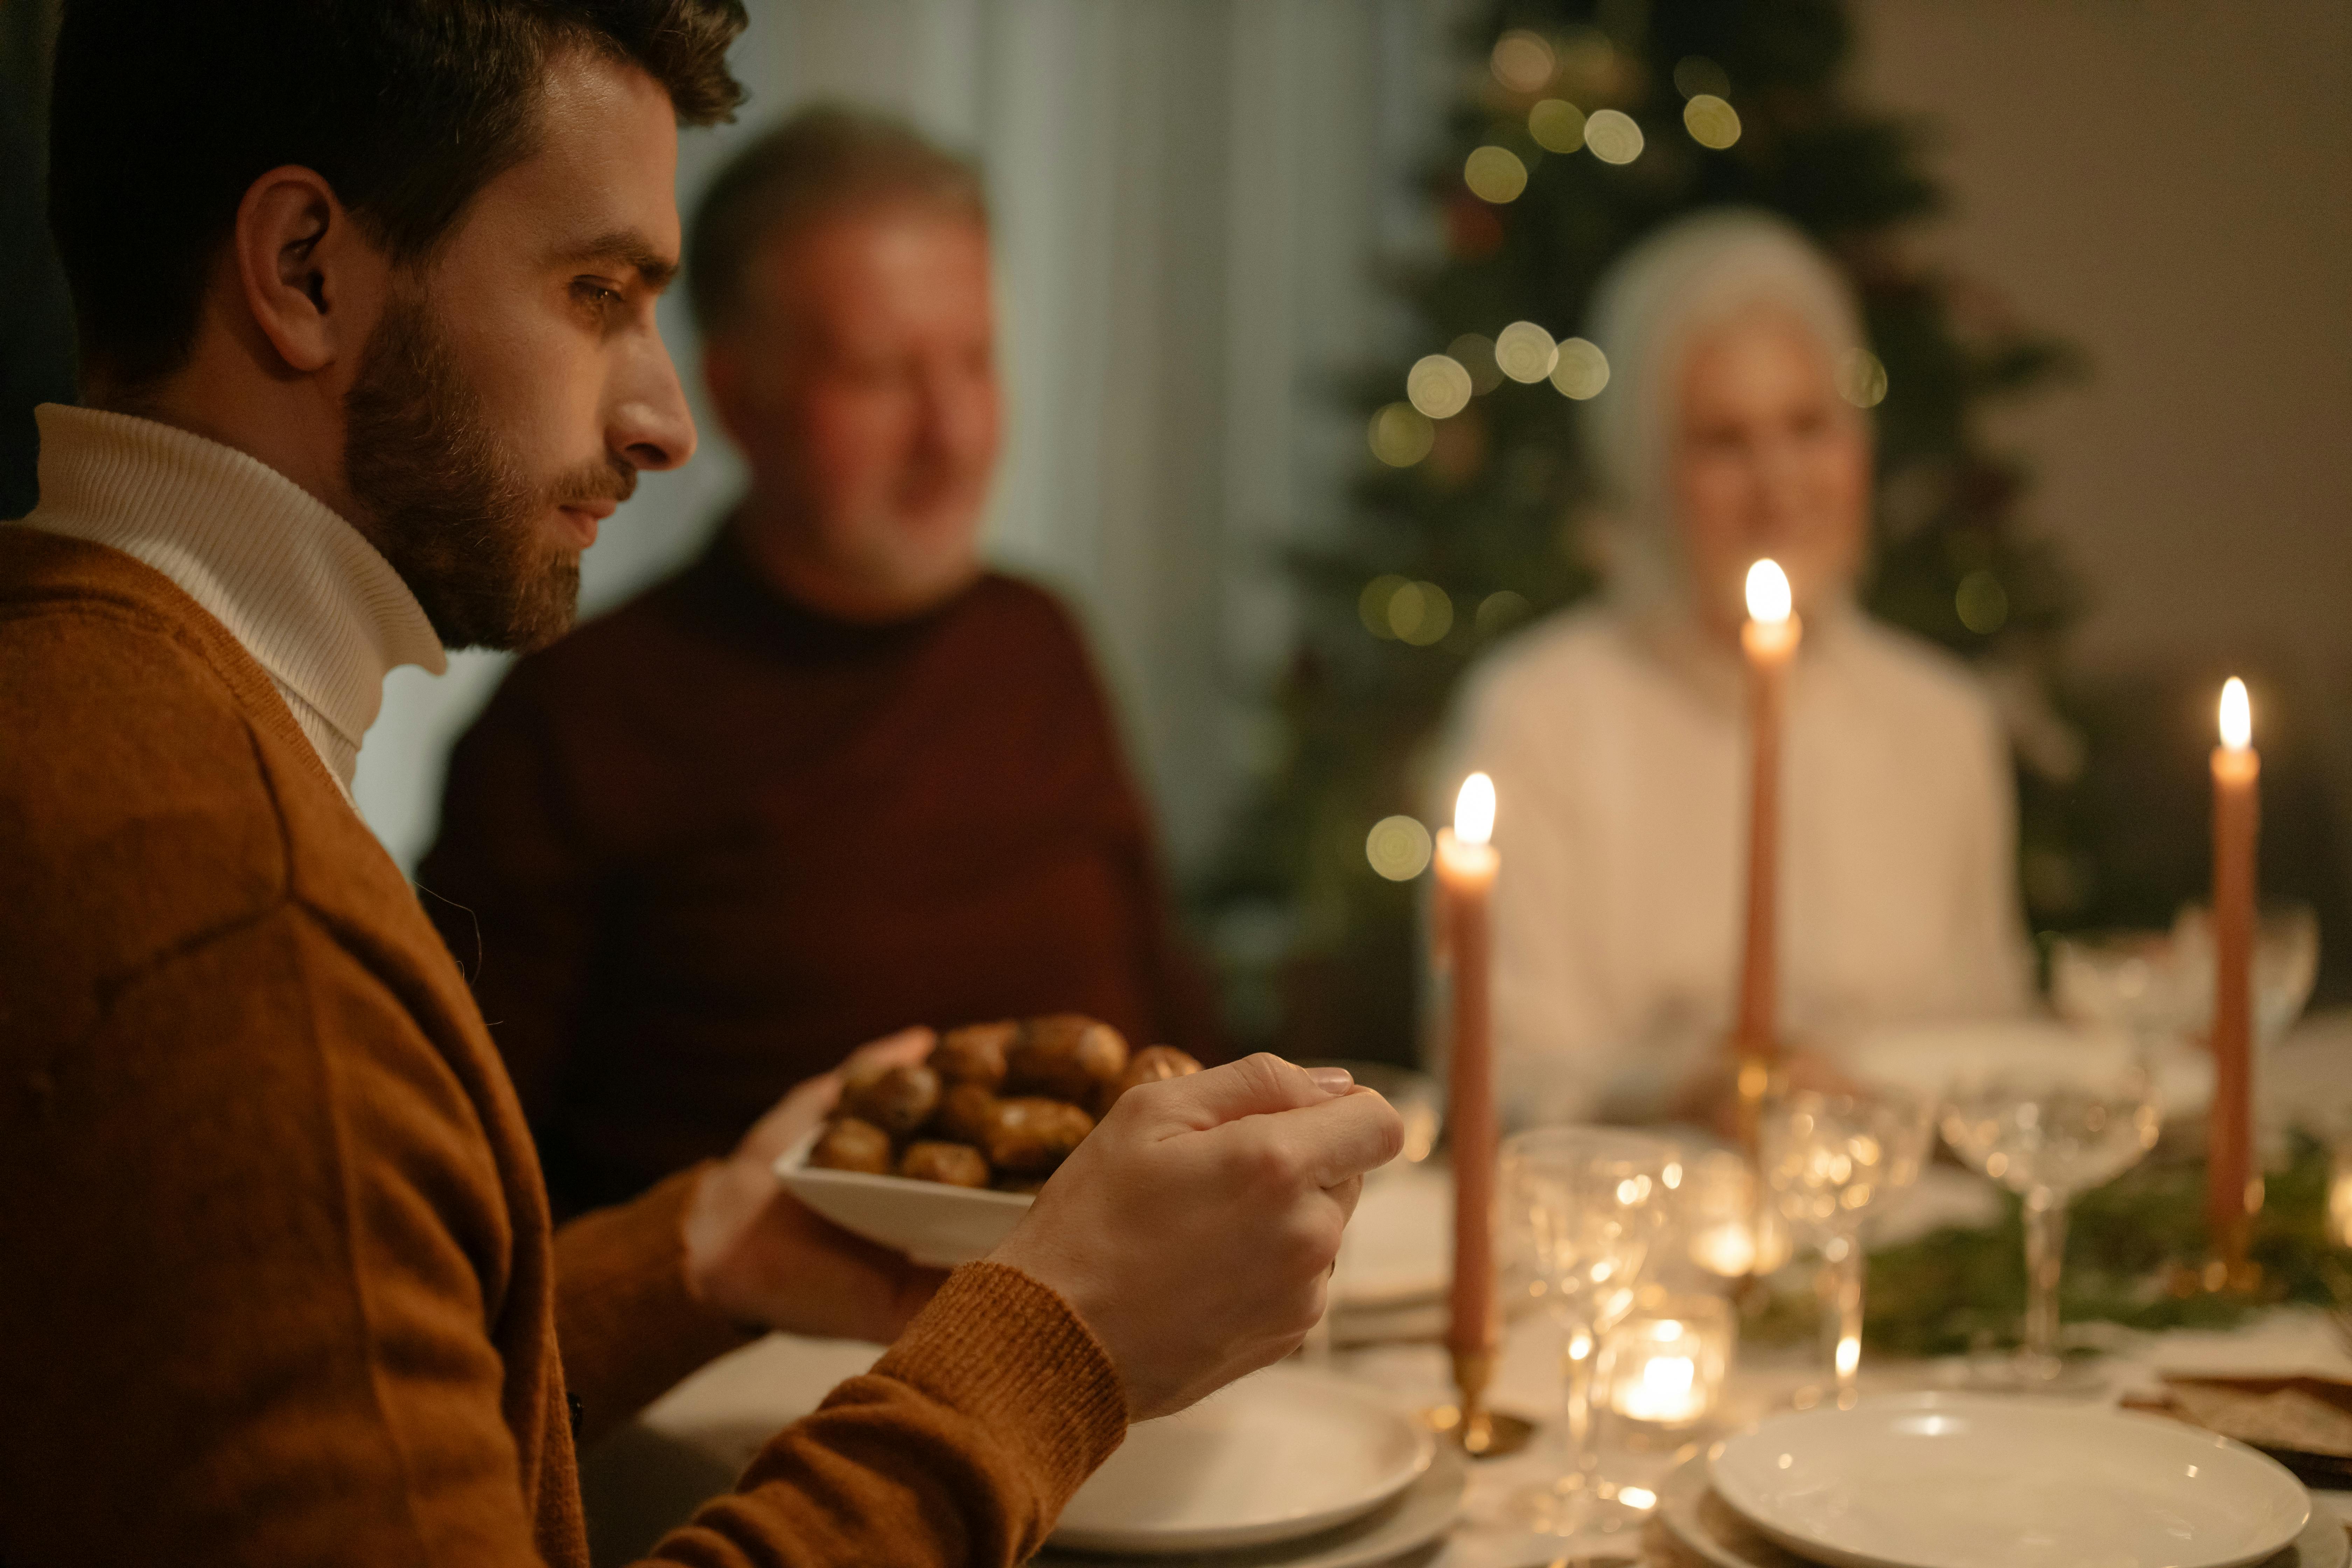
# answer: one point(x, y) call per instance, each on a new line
point(1958, 1290)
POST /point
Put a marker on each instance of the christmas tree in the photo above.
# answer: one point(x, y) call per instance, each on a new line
point(1580, 128)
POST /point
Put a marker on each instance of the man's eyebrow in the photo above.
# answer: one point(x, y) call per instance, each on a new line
point(632, 250)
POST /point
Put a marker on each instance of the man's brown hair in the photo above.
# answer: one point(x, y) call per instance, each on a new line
point(821, 164)
point(166, 111)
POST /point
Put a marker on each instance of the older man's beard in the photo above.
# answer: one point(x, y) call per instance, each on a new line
point(447, 505)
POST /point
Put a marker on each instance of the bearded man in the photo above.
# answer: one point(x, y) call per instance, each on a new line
point(365, 291)
point(836, 776)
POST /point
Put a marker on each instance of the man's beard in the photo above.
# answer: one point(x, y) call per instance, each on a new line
point(447, 505)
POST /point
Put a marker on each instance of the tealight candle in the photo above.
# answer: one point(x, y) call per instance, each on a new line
point(1666, 1366)
point(1727, 1232)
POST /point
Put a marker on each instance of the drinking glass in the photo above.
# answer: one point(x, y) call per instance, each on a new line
point(1827, 1158)
point(2285, 964)
point(1589, 1202)
point(2047, 1126)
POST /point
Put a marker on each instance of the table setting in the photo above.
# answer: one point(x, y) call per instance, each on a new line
point(1837, 1326)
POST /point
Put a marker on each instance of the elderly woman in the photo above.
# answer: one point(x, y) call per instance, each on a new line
point(1616, 733)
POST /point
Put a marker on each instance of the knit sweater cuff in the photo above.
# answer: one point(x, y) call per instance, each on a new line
point(626, 1325)
point(998, 1347)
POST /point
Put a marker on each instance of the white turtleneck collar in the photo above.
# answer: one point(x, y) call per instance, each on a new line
point(299, 588)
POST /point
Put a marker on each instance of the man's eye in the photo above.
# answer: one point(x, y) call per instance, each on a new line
point(590, 292)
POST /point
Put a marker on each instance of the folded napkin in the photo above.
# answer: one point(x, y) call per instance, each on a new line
point(2305, 1423)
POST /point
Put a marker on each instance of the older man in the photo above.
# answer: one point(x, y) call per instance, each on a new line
point(836, 777)
point(365, 291)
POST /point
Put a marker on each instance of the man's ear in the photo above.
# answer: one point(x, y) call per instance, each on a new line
point(311, 282)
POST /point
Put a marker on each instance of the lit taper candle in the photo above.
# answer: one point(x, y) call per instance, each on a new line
point(1769, 640)
point(2232, 1193)
point(1466, 864)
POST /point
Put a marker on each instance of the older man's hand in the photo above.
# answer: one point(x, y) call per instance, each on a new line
point(1194, 1231)
point(755, 1253)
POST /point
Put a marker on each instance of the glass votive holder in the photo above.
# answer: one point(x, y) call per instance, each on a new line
point(1725, 1229)
point(1663, 1366)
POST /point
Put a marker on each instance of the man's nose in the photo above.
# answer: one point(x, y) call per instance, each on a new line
point(959, 415)
point(649, 425)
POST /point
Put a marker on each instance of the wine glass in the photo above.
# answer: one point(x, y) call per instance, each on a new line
point(1827, 1158)
point(1589, 1202)
point(2047, 1125)
point(2285, 964)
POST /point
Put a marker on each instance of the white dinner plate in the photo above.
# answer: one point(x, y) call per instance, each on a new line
point(1422, 1513)
point(1398, 1248)
point(936, 1224)
point(1282, 1454)
point(1949, 1480)
point(1708, 1528)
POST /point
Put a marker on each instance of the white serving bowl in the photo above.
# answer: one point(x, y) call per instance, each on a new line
point(936, 1224)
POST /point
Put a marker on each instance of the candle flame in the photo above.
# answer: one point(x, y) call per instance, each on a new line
point(2237, 715)
point(1768, 599)
point(1474, 810)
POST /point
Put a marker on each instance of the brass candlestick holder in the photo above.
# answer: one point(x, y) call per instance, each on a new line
point(1479, 1432)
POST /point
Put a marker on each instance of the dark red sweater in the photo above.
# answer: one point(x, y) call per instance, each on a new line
point(700, 848)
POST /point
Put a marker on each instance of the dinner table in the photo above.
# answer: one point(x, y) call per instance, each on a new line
point(1385, 1337)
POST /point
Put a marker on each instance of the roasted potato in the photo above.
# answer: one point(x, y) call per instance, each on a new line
point(897, 1100)
point(1036, 1134)
point(955, 1165)
point(850, 1144)
point(966, 1114)
point(1148, 1065)
point(974, 1054)
point(1067, 1056)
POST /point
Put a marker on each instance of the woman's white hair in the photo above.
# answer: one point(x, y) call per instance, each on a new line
point(1688, 277)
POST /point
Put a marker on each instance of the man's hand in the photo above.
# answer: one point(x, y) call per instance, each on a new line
point(1194, 1232)
point(753, 1253)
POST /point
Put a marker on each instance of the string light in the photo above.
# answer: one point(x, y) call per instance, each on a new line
point(1556, 125)
point(1500, 612)
point(1439, 385)
point(1398, 847)
point(1583, 369)
point(1400, 435)
point(1696, 75)
point(1419, 614)
point(1711, 121)
point(1372, 604)
point(1522, 61)
point(1524, 352)
point(1495, 175)
point(1981, 603)
point(1862, 379)
point(1476, 354)
point(1612, 136)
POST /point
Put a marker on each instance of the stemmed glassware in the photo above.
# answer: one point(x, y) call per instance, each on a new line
point(1827, 1158)
point(2048, 1125)
point(1589, 1204)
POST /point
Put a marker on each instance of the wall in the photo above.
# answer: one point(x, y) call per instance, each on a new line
point(2169, 183)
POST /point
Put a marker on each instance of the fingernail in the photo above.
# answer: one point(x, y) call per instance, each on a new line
point(1332, 1080)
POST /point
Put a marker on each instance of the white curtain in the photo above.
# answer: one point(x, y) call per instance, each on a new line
point(1190, 197)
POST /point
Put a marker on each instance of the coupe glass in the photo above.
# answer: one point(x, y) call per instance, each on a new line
point(2048, 1126)
point(1827, 1158)
point(2285, 963)
point(1589, 1204)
